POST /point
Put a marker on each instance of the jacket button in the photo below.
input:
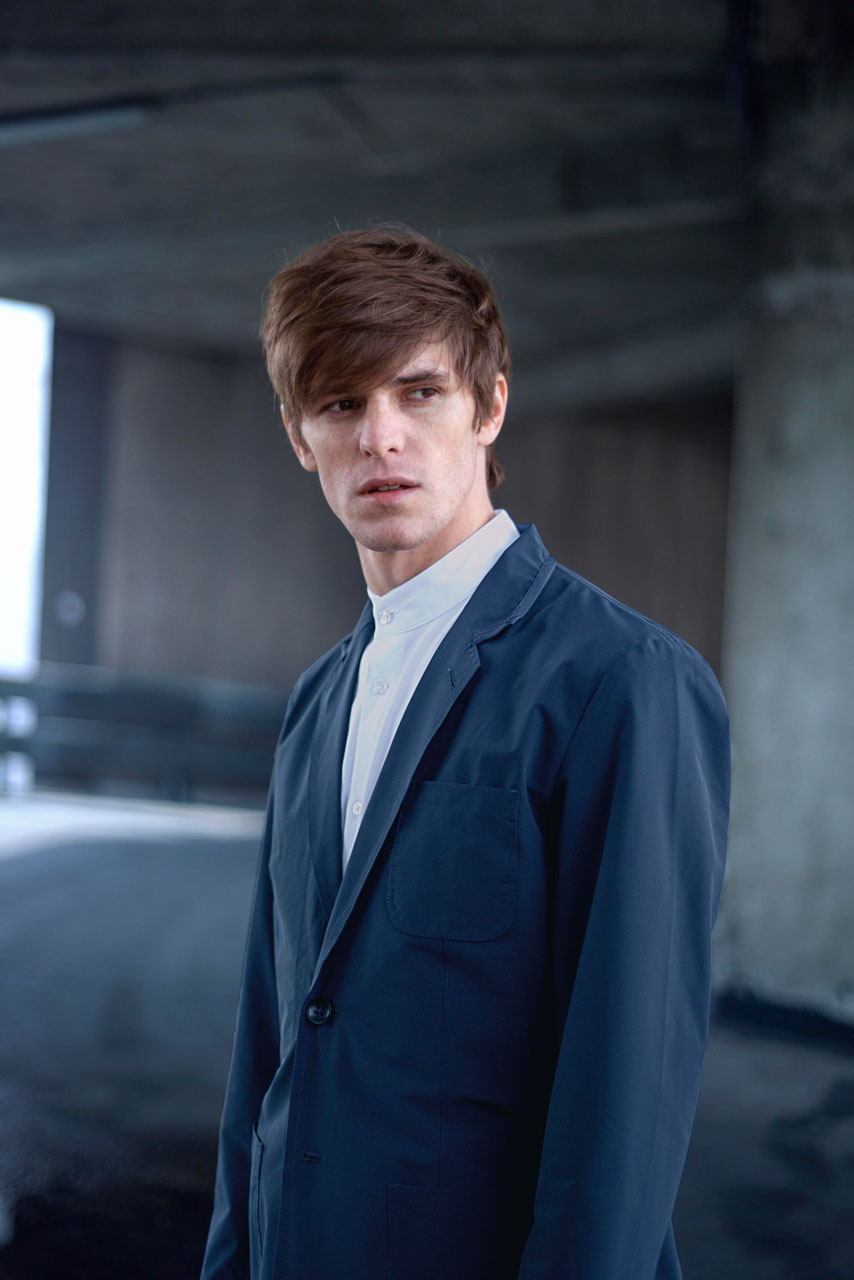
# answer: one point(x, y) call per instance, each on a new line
point(318, 1012)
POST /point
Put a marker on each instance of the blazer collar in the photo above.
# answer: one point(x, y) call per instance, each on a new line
point(447, 582)
point(504, 596)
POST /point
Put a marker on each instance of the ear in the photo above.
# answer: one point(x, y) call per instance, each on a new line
point(491, 425)
point(301, 449)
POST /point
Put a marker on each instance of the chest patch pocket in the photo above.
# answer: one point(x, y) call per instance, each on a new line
point(453, 866)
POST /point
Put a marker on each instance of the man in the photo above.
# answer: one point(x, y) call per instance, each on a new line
point(476, 988)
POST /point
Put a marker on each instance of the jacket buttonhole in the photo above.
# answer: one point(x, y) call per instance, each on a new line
point(311, 1157)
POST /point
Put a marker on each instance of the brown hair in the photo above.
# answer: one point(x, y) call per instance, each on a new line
point(348, 311)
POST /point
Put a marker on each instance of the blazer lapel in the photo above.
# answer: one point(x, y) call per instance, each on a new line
point(436, 693)
point(507, 592)
point(327, 753)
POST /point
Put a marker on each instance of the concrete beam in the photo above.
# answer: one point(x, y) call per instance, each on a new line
point(659, 364)
point(390, 24)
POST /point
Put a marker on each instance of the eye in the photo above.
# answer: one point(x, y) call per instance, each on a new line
point(424, 393)
point(339, 406)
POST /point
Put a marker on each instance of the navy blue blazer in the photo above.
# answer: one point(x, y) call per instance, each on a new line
point(478, 1057)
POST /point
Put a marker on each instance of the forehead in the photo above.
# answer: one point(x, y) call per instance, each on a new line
point(433, 356)
point(429, 361)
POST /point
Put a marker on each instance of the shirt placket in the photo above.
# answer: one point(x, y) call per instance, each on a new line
point(374, 710)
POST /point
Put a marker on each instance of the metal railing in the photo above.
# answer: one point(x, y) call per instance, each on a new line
point(80, 727)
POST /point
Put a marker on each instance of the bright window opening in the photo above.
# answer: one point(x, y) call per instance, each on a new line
point(26, 348)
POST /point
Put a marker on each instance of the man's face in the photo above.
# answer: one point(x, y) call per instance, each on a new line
point(415, 431)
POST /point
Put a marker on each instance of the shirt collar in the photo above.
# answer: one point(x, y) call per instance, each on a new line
point(445, 583)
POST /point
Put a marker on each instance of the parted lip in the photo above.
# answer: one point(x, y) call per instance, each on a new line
point(377, 482)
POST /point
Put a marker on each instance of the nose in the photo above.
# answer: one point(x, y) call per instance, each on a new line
point(382, 428)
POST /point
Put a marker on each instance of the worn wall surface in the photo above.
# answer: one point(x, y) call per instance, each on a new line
point(217, 558)
point(634, 500)
point(220, 557)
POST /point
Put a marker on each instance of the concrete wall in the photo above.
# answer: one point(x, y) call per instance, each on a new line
point(220, 557)
point(635, 500)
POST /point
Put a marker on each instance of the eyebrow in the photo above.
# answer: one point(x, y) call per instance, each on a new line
point(421, 375)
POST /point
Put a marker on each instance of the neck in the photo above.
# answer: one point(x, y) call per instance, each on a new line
point(385, 570)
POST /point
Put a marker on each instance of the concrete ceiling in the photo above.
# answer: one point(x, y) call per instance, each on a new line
point(159, 162)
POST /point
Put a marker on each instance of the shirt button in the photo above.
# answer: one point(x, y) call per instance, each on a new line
point(357, 807)
point(379, 687)
point(384, 617)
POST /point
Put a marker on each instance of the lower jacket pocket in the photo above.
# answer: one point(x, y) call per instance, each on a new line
point(441, 1233)
point(256, 1239)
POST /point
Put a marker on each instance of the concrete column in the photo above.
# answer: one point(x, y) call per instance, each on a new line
point(786, 929)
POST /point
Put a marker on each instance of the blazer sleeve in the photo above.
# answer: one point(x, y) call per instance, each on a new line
point(640, 823)
point(254, 1061)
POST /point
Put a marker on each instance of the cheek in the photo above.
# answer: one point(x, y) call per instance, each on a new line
point(331, 471)
point(464, 463)
point(330, 485)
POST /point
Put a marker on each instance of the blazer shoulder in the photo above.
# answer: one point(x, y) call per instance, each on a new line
point(605, 633)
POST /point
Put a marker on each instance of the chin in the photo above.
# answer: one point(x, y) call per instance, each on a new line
point(384, 536)
point(374, 540)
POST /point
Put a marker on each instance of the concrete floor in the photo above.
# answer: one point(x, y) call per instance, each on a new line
point(768, 1187)
point(121, 936)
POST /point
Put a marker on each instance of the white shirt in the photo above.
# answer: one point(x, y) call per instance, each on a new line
point(409, 623)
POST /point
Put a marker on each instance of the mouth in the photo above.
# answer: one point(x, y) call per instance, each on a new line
point(386, 490)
